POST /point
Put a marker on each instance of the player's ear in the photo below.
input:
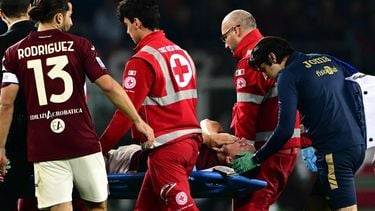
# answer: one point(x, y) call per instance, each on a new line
point(272, 58)
point(228, 159)
point(59, 18)
point(3, 17)
point(138, 23)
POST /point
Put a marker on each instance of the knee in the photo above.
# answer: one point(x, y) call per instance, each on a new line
point(96, 205)
point(166, 191)
point(176, 196)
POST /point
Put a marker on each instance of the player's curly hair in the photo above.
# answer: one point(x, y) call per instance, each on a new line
point(44, 10)
point(146, 11)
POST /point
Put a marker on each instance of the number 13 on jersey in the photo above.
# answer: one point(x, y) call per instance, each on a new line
point(57, 64)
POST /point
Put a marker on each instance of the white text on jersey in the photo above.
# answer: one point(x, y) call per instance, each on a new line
point(50, 48)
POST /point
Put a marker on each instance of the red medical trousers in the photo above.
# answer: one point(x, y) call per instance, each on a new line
point(165, 185)
point(275, 170)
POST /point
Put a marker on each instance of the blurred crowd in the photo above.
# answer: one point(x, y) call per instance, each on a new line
point(345, 28)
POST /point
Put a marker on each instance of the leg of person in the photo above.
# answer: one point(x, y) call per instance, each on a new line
point(31, 204)
point(147, 198)
point(169, 169)
point(336, 173)
point(8, 195)
point(119, 160)
point(317, 200)
point(78, 204)
point(18, 176)
point(15, 183)
point(90, 179)
point(28, 204)
point(53, 185)
point(66, 206)
point(275, 171)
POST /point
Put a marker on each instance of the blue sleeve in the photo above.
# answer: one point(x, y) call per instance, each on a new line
point(288, 98)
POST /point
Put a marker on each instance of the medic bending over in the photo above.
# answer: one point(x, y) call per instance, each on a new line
point(316, 86)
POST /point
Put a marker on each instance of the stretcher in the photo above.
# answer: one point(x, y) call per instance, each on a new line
point(203, 184)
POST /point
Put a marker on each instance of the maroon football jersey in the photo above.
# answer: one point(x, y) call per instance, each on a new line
point(50, 68)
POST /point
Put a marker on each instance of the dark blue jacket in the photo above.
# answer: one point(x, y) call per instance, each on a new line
point(315, 85)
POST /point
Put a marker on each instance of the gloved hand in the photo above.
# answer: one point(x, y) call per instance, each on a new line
point(244, 162)
point(309, 158)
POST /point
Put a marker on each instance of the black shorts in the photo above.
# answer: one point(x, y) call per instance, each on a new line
point(336, 174)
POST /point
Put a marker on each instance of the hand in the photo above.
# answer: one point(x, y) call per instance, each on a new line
point(244, 162)
point(309, 158)
point(4, 163)
point(146, 130)
point(210, 126)
point(216, 140)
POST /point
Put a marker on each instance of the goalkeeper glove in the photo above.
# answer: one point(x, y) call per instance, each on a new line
point(244, 162)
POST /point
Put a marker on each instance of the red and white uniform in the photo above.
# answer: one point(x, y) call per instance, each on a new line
point(161, 82)
point(254, 117)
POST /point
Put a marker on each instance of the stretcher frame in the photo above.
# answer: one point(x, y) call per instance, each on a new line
point(203, 184)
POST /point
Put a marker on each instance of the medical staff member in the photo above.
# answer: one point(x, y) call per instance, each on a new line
point(315, 85)
point(255, 112)
point(49, 66)
point(160, 79)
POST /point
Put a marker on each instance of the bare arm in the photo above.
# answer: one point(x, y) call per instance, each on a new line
point(214, 136)
point(7, 96)
point(121, 100)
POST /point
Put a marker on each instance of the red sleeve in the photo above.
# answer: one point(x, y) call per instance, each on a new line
point(138, 79)
point(244, 120)
point(245, 114)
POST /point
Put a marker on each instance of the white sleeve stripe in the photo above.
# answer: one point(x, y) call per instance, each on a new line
point(9, 78)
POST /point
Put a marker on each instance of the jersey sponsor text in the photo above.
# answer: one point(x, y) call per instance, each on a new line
point(52, 114)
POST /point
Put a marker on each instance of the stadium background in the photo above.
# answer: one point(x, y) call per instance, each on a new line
point(345, 29)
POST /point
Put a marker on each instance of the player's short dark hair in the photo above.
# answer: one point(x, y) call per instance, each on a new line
point(277, 45)
point(14, 8)
point(146, 11)
point(44, 10)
